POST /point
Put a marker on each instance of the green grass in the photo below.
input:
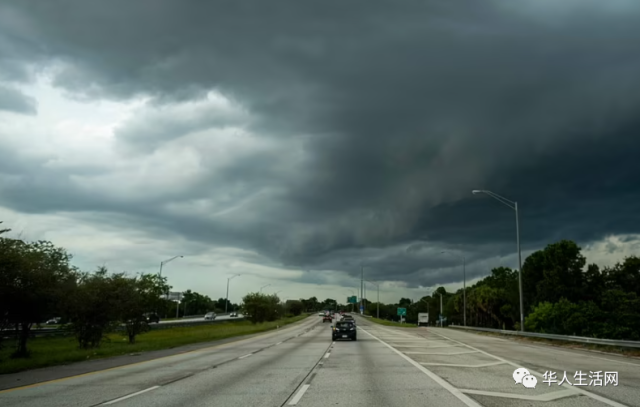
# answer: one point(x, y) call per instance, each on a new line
point(51, 351)
point(390, 323)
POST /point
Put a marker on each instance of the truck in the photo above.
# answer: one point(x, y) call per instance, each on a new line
point(423, 318)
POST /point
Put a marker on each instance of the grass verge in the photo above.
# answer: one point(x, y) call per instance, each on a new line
point(390, 323)
point(51, 351)
point(569, 345)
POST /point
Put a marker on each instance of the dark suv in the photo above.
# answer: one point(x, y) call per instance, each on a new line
point(344, 330)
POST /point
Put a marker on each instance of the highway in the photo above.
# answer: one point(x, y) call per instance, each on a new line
point(386, 367)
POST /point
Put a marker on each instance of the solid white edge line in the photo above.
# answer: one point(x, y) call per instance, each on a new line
point(577, 390)
point(130, 395)
point(299, 395)
point(457, 393)
point(245, 356)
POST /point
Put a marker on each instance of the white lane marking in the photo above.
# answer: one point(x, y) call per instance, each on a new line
point(278, 343)
point(543, 397)
point(130, 395)
point(457, 393)
point(428, 347)
point(326, 355)
point(299, 395)
point(577, 390)
point(245, 356)
point(440, 353)
point(457, 365)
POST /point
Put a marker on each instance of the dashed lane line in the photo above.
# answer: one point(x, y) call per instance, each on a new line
point(299, 395)
point(130, 395)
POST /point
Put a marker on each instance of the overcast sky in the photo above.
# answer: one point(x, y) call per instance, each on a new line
point(291, 141)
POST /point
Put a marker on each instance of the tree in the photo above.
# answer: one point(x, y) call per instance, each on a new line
point(194, 303)
point(553, 273)
point(136, 296)
point(34, 279)
point(93, 308)
point(261, 307)
point(329, 304)
point(295, 307)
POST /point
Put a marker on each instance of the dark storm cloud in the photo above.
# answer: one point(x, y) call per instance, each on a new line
point(12, 100)
point(401, 109)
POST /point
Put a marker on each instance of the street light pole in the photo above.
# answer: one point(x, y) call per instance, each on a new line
point(264, 286)
point(513, 205)
point(464, 287)
point(226, 301)
point(162, 263)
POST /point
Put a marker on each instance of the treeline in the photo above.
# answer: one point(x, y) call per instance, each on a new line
point(258, 307)
point(38, 283)
point(561, 293)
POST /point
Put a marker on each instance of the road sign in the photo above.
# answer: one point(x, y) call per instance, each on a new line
point(402, 311)
point(352, 300)
point(174, 296)
point(361, 309)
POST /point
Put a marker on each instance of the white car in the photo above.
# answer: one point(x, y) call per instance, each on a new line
point(210, 316)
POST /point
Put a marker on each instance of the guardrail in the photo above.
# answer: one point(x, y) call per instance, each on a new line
point(11, 334)
point(568, 338)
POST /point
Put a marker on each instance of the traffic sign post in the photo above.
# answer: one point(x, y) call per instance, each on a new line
point(361, 308)
point(401, 313)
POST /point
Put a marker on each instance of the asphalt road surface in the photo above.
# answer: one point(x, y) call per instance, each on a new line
point(386, 367)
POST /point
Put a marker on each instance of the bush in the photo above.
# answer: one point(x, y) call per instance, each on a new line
point(261, 307)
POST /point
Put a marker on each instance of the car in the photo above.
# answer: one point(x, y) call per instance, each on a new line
point(233, 314)
point(326, 318)
point(210, 316)
point(344, 330)
point(152, 317)
point(320, 314)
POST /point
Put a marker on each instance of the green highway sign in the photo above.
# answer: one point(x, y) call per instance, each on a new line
point(402, 311)
point(352, 300)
